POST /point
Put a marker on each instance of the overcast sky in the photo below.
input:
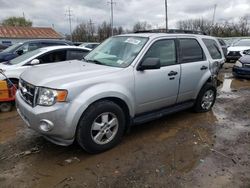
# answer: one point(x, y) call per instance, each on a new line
point(126, 12)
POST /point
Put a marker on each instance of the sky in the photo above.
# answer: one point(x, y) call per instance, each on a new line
point(48, 13)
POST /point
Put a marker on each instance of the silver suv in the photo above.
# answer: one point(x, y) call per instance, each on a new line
point(128, 79)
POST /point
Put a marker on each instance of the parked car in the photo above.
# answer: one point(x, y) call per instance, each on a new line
point(224, 46)
point(2, 47)
point(15, 67)
point(128, 79)
point(242, 67)
point(90, 45)
point(238, 50)
point(24, 47)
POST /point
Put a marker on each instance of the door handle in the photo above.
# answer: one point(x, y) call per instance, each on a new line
point(172, 73)
point(204, 67)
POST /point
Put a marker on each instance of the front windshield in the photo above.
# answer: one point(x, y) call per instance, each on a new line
point(13, 47)
point(25, 56)
point(117, 51)
point(242, 43)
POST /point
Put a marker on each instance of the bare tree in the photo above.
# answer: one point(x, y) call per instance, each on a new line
point(141, 26)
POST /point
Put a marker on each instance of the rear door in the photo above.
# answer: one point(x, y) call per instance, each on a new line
point(216, 58)
point(193, 67)
point(155, 89)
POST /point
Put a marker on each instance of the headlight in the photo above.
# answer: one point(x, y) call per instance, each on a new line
point(238, 64)
point(48, 97)
point(246, 51)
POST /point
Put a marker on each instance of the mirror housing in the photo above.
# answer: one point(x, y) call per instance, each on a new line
point(150, 63)
point(34, 62)
point(19, 52)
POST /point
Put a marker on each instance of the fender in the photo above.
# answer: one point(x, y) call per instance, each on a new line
point(95, 93)
point(202, 81)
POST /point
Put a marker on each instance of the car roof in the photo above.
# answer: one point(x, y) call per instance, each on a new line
point(49, 48)
point(48, 40)
point(157, 35)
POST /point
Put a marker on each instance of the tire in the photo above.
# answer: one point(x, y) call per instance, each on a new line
point(206, 98)
point(5, 106)
point(100, 117)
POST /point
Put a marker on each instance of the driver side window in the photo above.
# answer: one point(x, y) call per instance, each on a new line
point(164, 50)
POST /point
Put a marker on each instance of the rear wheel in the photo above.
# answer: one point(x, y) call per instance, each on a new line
point(206, 98)
point(101, 127)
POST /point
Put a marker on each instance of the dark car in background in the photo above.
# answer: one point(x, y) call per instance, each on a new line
point(23, 47)
point(2, 47)
point(242, 67)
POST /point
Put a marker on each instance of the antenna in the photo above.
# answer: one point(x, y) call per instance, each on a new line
point(112, 15)
point(69, 15)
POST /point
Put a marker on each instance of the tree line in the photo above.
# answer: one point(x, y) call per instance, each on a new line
point(224, 29)
point(88, 32)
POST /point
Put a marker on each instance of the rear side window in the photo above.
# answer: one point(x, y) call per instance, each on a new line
point(76, 54)
point(54, 56)
point(164, 50)
point(213, 48)
point(190, 51)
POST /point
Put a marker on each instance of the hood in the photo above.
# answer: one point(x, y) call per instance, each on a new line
point(8, 67)
point(238, 48)
point(59, 74)
point(245, 59)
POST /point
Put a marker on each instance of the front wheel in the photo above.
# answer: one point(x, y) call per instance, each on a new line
point(206, 98)
point(101, 127)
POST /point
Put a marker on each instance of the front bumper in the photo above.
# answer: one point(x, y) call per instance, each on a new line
point(243, 72)
point(62, 132)
point(234, 58)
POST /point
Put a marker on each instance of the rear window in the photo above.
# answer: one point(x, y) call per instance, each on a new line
point(191, 51)
point(213, 48)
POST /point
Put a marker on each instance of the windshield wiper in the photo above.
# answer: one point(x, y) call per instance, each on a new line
point(94, 61)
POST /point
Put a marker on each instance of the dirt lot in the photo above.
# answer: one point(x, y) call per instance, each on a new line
point(182, 150)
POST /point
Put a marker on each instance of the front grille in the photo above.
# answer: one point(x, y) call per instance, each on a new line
point(234, 53)
point(27, 91)
point(247, 65)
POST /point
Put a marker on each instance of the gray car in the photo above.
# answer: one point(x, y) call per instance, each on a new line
point(128, 79)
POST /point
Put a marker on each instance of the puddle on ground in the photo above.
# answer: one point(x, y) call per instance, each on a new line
point(231, 85)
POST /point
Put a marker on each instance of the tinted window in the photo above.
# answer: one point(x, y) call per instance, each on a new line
point(54, 56)
point(45, 44)
point(190, 51)
point(213, 48)
point(76, 54)
point(164, 50)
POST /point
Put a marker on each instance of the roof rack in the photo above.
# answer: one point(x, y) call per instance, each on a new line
point(171, 31)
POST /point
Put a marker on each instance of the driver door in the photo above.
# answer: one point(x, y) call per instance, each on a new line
point(158, 88)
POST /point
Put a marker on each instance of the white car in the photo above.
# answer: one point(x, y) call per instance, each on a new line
point(238, 50)
point(15, 67)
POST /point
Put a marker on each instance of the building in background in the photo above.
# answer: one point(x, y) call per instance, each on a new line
point(11, 35)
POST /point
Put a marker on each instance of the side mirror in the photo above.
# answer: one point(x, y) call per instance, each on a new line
point(150, 63)
point(34, 62)
point(19, 52)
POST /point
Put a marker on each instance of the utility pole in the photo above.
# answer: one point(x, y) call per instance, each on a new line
point(112, 16)
point(166, 12)
point(69, 15)
point(215, 6)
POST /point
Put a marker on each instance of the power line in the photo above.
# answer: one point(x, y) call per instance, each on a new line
point(112, 15)
point(69, 15)
point(166, 12)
